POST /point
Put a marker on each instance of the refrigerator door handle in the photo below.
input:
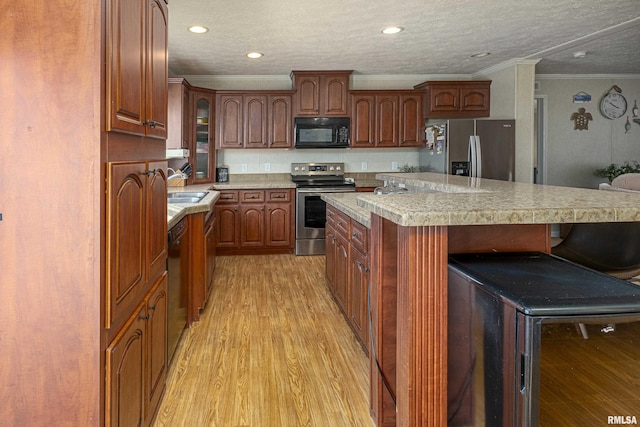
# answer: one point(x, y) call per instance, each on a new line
point(474, 157)
point(478, 157)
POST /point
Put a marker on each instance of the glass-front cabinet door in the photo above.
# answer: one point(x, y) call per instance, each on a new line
point(203, 152)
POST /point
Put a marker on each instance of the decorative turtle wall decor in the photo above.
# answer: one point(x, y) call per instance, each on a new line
point(581, 119)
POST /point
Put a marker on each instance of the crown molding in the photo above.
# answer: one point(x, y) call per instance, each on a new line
point(587, 76)
point(504, 65)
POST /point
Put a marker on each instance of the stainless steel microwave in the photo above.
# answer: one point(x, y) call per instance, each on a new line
point(321, 132)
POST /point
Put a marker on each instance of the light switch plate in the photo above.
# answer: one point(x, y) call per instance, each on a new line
point(364, 166)
point(267, 167)
point(244, 167)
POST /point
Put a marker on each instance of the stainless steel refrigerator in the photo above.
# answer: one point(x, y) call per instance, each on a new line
point(477, 148)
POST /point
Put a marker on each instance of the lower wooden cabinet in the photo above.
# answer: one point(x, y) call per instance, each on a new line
point(202, 253)
point(359, 284)
point(255, 221)
point(136, 363)
point(347, 270)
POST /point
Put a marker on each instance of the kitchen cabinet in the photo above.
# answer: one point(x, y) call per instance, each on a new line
point(179, 116)
point(136, 362)
point(202, 235)
point(137, 67)
point(359, 281)
point(259, 119)
point(347, 270)
point(386, 119)
point(136, 234)
point(202, 156)
point(321, 93)
point(456, 99)
point(104, 63)
point(191, 117)
point(255, 221)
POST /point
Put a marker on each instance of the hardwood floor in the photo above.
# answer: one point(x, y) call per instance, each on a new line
point(271, 349)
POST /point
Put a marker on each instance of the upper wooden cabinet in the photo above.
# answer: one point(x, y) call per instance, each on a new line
point(179, 110)
point(456, 99)
point(321, 93)
point(137, 67)
point(202, 157)
point(260, 119)
point(386, 119)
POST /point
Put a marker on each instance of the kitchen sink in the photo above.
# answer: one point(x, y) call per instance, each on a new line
point(186, 197)
point(199, 194)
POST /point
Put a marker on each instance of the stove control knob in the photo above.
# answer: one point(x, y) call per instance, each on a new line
point(338, 168)
point(304, 168)
point(330, 168)
point(296, 168)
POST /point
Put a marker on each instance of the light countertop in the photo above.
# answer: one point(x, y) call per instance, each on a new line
point(438, 199)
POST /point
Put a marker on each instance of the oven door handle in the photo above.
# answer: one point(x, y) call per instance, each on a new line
point(326, 190)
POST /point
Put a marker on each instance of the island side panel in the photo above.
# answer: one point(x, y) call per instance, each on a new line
point(421, 378)
point(500, 238)
point(383, 308)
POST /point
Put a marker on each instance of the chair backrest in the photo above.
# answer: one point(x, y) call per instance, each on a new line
point(603, 246)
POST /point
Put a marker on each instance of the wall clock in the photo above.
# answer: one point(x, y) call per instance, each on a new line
point(613, 105)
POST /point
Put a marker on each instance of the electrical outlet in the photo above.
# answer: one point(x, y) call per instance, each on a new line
point(244, 167)
point(267, 167)
point(394, 166)
point(364, 166)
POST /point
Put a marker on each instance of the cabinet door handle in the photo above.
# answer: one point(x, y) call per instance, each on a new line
point(354, 235)
point(144, 317)
point(150, 123)
point(269, 209)
point(235, 209)
point(152, 307)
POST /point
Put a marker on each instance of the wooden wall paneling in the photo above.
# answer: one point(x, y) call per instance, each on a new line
point(421, 376)
point(383, 306)
point(500, 238)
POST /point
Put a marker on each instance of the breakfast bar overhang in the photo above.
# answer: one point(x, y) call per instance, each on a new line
point(411, 238)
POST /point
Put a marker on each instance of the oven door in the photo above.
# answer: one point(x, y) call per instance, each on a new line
point(311, 215)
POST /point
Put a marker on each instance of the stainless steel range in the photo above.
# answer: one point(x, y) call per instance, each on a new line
point(311, 180)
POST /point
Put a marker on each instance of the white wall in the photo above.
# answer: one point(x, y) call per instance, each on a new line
point(512, 97)
point(572, 155)
point(279, 160)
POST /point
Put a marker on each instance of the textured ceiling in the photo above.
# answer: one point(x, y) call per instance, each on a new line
point(439, 37)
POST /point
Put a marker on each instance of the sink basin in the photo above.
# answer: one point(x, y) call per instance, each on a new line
point(199, 194)
point(186, 197)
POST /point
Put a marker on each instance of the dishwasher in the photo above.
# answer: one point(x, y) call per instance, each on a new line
point(177, 292)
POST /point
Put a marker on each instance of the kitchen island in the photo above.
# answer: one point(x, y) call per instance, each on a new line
point(411, 237)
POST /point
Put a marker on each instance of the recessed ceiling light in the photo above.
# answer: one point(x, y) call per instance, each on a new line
point(255, 55)
point(580, 54)
point(481, 55)
point(198, 29)
point(392, 30)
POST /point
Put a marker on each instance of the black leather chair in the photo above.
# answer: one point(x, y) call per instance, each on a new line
point(612, 247)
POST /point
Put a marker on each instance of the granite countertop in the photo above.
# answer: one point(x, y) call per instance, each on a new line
point(438, 199)
point(348, 203)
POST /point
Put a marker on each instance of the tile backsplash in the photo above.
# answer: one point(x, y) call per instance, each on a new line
point(254, 161)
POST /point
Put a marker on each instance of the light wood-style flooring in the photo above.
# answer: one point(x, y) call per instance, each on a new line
point(271, 349)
